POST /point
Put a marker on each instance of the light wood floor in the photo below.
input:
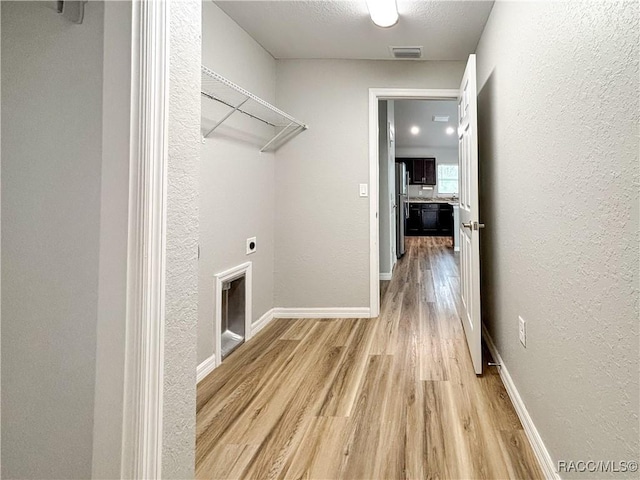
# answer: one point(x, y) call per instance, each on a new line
point(387, 398)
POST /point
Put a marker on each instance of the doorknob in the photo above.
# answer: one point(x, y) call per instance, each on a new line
point(467, 225)
point(479, 225)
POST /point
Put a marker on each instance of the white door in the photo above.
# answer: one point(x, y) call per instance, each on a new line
point(469, 215)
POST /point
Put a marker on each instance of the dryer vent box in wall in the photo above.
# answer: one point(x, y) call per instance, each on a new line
point(251, 245)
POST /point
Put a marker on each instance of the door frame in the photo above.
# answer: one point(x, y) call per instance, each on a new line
point(376, 94)
point(145, 314)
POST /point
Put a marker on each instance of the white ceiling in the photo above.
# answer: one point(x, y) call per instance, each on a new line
point(420, 113)
point(447, 30)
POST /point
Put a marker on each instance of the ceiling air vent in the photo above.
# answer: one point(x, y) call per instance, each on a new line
point(406, 53)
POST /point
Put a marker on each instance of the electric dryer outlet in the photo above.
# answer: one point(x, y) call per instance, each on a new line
point(251, 245)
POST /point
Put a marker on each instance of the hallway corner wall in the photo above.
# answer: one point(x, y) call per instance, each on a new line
point(181, 283)
point(237, 185)
point(114, 240)
point(558, 126)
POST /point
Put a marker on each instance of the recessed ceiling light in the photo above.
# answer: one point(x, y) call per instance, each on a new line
point(441, 118)
point(415, 130)
point(384, 13)
point(450, 130)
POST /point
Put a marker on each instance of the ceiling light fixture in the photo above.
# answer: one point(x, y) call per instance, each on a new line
point(384, 13)
point(415, 130)
point(450, 130)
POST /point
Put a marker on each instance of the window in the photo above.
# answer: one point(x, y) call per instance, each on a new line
point(448, 179)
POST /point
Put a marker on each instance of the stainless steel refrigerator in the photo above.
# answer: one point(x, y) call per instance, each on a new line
point(402, 206)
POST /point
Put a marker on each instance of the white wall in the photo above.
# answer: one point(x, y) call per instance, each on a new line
point(114, 204)
point(384, 191)
point(441, 154)
point(51, 184)
point(181, 309)
point(322, 225)
point(237, 181)
point(391, 179)
point(558, 105)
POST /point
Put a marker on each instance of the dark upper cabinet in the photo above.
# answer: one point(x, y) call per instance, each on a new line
point(430, 171)
point(422, 171)
point(419, 171)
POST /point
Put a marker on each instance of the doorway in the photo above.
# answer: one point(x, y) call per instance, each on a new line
point(376, 95)
point(418, 175)
point(469, 226)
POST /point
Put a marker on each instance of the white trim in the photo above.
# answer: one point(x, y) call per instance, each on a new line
point(211, 363)
point(205, 368)
point(262, 322)
point(385, 276)
point(376, 94)
point(144, 357)
point(244, 269)
point(539, 448)
point(340, 312)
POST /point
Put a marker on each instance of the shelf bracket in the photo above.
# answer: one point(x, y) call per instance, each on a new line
point(276, 137)
point(221, 121)
point(72, 10)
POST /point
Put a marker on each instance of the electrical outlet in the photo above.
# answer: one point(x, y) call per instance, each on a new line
point(251, 245)
point(522, 331)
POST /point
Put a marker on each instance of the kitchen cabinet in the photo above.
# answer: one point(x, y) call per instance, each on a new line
point(422, 171)
point(414, 222)
point(445, 221)
point(430, 219)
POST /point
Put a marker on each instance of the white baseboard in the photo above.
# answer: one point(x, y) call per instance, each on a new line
point(385, 276)
point(205, 368)
point(262, 322)
point(345, 312)
point(539, 448)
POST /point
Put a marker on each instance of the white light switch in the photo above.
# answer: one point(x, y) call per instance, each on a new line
point(364, 190)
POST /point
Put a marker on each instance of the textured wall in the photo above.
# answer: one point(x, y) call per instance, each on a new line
point(558, 105)
point(51, 174)
point(322, 225)
point(237, 190)
point(178, 450)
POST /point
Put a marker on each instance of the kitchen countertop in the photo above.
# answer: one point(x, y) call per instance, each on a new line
point(431, 200)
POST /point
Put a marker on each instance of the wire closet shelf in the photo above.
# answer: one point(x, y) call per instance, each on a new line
point(218, 88)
